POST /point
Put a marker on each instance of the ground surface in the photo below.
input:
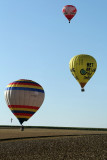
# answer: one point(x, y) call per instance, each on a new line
point(52, 144)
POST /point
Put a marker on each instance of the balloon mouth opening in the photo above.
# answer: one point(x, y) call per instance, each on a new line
point(21, 120)
point(82, 89)
point(82, 85)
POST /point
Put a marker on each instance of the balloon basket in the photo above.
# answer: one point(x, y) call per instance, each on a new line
point(22, 128)
point(82, 89)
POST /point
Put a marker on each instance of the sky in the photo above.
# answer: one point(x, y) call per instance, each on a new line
point(37, 43)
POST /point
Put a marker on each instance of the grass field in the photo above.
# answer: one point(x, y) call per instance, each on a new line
point(44, 143)
point(14, 132)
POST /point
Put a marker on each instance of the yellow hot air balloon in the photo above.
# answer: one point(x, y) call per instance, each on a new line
point(82, 67)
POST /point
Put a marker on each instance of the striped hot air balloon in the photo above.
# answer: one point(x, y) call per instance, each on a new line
point(24, 97)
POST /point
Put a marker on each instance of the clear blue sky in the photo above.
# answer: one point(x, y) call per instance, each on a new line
point(37, 43)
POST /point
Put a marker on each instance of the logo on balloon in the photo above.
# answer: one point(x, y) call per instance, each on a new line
point(83, 72)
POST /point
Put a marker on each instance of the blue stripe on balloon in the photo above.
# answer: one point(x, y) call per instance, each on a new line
point(29, 112)
point(26, 89)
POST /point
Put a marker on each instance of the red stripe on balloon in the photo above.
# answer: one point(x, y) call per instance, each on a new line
point(69, 16)
point(22, 106)
point(21, 83)
point(22, 114)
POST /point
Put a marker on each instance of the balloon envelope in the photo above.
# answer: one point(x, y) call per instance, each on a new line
point(69, 11)
point(24, 98)
point(82, 67)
